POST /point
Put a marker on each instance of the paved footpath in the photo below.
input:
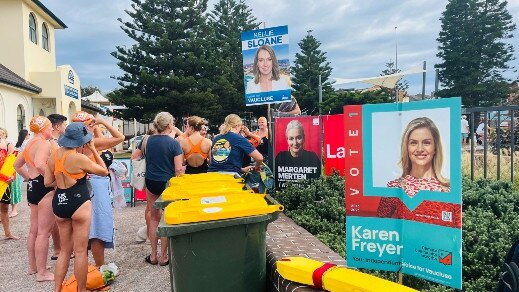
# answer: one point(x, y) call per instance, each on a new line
point(135, 274)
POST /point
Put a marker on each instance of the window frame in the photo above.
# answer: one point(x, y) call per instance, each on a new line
point(33, 30)
point(20, 117)
point(45, 37)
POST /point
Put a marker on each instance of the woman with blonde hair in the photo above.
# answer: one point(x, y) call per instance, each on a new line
point(196, 148)
point(229, 148)
point(422, 161)
point(164, 159)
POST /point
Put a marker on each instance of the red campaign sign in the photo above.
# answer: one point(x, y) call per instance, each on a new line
point(297, 149)
point(334, 144)
point(356, 203)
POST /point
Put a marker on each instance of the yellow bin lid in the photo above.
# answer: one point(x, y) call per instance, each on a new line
point(174, 195)
point(204, 177)
point(217, 208)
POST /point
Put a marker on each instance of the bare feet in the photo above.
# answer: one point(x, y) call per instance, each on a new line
point(13, 214)
point(12, 236)
point(47, 276)
point(164, 260)
point(32, 272)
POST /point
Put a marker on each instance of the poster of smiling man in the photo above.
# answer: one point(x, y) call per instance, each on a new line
point(297, 149)
point(266, 65)
point(403, 188)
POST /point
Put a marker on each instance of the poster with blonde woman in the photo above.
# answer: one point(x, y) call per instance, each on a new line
point(266, 65)
point(403, 188)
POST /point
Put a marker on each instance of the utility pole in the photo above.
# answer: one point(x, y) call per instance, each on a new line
point(320, 94)
point(423, 79)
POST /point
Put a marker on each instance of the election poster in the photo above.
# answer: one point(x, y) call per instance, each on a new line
point(266, 65)
point(403, 188)
point(297, 149)
point(128, 190)
point(333, 144)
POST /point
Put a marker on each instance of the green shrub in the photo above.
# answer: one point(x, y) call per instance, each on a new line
point(490, 226)
point(318, 206)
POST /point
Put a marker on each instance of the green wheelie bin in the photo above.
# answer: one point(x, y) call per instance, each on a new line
point(227, 255)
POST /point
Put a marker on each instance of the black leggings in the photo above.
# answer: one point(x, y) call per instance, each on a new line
point(66, 201)
point(155, 187)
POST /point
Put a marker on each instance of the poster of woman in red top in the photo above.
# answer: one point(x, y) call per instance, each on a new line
point(421, 161)
point(403, 188)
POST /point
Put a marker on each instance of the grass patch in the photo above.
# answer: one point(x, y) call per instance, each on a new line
point(122, 155)
point(491, 161)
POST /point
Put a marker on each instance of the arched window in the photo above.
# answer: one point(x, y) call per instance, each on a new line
point(45, 37)
point(20, 117)
point(32, 29)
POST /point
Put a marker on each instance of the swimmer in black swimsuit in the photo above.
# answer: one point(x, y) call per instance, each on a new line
point(35, 156)
point(71, 203)
point(67, 201)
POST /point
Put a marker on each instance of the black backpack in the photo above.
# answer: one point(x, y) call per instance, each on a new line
point(509, 276)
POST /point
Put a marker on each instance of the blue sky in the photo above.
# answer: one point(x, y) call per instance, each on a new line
point(358, 36)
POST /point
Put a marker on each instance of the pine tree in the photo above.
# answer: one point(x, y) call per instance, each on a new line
point(168, 68)
point(401, 85)
point(88, 90)
point(309, 63)
point(228, 19)
point(474, 51)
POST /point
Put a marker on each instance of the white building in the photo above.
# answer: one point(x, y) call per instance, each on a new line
point(30, 82)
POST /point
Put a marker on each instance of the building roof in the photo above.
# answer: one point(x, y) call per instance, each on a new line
point(96, 97)
point(88, 105)
point(10, 78)
point(46, 10)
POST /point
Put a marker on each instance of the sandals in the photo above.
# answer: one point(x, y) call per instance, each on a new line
point(164, 264)
point(149, 261)
point(54, 258)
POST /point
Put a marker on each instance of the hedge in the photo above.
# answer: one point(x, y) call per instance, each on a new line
point(490, 225)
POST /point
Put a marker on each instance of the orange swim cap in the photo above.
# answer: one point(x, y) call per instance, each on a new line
point(38, 123)
point(83, 117)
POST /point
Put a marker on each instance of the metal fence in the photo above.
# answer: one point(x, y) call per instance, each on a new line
point(499, 139)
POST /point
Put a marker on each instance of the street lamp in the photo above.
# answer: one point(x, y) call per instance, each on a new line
point(396, 63)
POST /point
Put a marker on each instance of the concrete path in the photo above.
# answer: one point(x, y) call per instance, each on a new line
point(135, 274)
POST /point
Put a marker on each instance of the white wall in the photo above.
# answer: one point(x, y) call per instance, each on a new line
point(9, 101)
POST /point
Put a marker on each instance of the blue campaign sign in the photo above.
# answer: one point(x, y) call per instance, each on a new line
point(403, 188)
point(266, 65)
